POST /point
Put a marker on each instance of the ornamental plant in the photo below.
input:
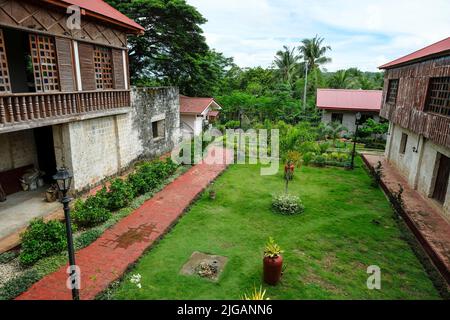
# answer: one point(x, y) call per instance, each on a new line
point(287, 204)
point(272, 249)
point(42, 239)
point(256, 295)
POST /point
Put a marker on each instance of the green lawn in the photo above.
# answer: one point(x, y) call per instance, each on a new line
point(327, 249)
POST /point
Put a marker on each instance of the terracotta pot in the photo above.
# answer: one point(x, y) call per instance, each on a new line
point(272, 269)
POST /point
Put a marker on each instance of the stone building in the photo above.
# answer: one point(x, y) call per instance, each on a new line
point(416, 101)
point(66, 100)
point(342, 105)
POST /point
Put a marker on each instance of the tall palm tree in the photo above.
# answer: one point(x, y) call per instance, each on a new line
point(340, 80)
point(314, 52)
point(287, 64)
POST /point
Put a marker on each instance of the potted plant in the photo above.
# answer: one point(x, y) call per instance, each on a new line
point(272, 263)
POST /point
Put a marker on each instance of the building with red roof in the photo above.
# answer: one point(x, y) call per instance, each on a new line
point(196, 112)
point(342, 105)
point(416, 101)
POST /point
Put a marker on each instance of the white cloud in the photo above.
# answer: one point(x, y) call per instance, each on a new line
point(361, 33)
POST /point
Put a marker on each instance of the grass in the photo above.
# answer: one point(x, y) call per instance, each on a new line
point(347, 226)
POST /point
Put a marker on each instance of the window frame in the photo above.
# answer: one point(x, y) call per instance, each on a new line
point(441, 110)
point(389, 91)
point(403, 143)
point(340, 116)
point(103, 70)
point(160, 132)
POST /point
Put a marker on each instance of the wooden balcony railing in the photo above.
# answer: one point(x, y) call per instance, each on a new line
point(23, 107)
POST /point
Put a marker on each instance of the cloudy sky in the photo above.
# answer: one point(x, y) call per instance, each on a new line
point(362, 33)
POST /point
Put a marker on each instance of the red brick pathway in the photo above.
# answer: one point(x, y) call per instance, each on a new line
point(105, 260)
point(424, 218)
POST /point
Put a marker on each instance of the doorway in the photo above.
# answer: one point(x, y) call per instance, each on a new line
point(443, 174)
point(45, 152)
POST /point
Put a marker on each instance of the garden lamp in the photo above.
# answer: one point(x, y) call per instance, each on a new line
point(357, 122)
point(63, 179)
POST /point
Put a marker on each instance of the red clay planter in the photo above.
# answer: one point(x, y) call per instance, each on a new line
point(272, 269)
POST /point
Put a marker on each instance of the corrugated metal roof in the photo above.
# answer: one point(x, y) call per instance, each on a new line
point(102, 8)
point(343, 99)
point(442, 46)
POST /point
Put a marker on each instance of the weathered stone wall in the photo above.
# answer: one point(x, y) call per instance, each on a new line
point(420, 168)
point(17, 149)
point(98, 148)
point(156, 104)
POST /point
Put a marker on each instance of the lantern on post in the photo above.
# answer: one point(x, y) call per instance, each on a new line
point(63, 179)
point(357, 122)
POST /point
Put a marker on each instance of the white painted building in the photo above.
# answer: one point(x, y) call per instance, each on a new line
point(194, 114)
point(342, 105)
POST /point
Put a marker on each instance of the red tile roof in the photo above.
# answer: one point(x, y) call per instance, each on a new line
point(213, 113)
point(343, 99)
point(438, 48)
point(99, 7)
point(194, 105)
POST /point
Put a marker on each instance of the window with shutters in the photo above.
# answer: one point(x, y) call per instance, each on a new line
point(103, 68)
point(45, 64)
point(438, 99)
point(391, 97)
point(5, 85)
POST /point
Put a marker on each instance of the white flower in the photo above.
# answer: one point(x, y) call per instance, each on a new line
point(136, 279)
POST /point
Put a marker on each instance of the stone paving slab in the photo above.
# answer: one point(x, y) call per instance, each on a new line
point(107, 259)
point(423, 217)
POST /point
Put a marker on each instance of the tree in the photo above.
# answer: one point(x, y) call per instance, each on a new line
point(287, 64)
point(314, 52)
point(173, 50)
point(339, 80)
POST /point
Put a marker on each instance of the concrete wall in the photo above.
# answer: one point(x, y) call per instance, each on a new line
point(98, 148)
point(348, 119)
point(193, 123)
point(17, 149)
point(420, 168)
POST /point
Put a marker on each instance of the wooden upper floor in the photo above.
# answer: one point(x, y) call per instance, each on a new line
point(416, 93)
point(51, 70)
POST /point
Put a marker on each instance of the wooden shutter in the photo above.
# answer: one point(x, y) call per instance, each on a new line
point(119, 77)
point(86, 54)
point(103, 68)
point(5, 84)
point(65, 64)
point(45, 64)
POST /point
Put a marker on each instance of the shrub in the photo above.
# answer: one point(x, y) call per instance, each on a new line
point(233, 124)
point(308, 157)
point(86, 215)
point(287, 204)
point(7, 256)
point(120, 194)
point(320, 160)
point(324, 147)
point(42, 239)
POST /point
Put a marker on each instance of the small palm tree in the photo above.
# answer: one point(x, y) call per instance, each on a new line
point(335, 130)
point(287, 64)
point(314, 52)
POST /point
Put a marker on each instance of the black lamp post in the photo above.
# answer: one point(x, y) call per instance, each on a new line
point(64, 180)
point(358, 121)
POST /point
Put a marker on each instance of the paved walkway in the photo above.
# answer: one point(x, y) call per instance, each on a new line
point(423, 217)
point(107, 259)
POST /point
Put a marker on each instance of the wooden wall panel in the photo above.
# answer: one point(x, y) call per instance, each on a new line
point(119, 77)
point(5, 84)
point(86, 54)
point(34, 17)
point(64, 53)
point(412, 93)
